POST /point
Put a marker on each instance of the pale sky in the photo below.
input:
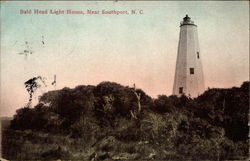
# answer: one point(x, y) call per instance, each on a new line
point(127, 49)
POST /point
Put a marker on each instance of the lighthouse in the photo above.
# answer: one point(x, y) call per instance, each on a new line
point(189, 79)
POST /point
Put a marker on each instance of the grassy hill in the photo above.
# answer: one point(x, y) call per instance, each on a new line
point(113, 122)
point(5, 122)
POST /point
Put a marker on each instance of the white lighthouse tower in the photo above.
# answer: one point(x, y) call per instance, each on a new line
point(189, 78)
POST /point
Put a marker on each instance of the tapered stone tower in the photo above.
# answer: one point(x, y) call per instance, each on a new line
point(188, 73)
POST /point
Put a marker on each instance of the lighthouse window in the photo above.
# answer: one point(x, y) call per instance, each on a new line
point(180, 90)
point(198, 54)
point(191, 70)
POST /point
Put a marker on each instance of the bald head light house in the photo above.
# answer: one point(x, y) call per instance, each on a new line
point(189, 79)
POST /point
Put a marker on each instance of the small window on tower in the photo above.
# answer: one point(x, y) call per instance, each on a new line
point(198, 54)
point(191, 70)
point(180, 90)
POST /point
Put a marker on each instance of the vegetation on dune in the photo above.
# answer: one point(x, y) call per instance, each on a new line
point(113, 122)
